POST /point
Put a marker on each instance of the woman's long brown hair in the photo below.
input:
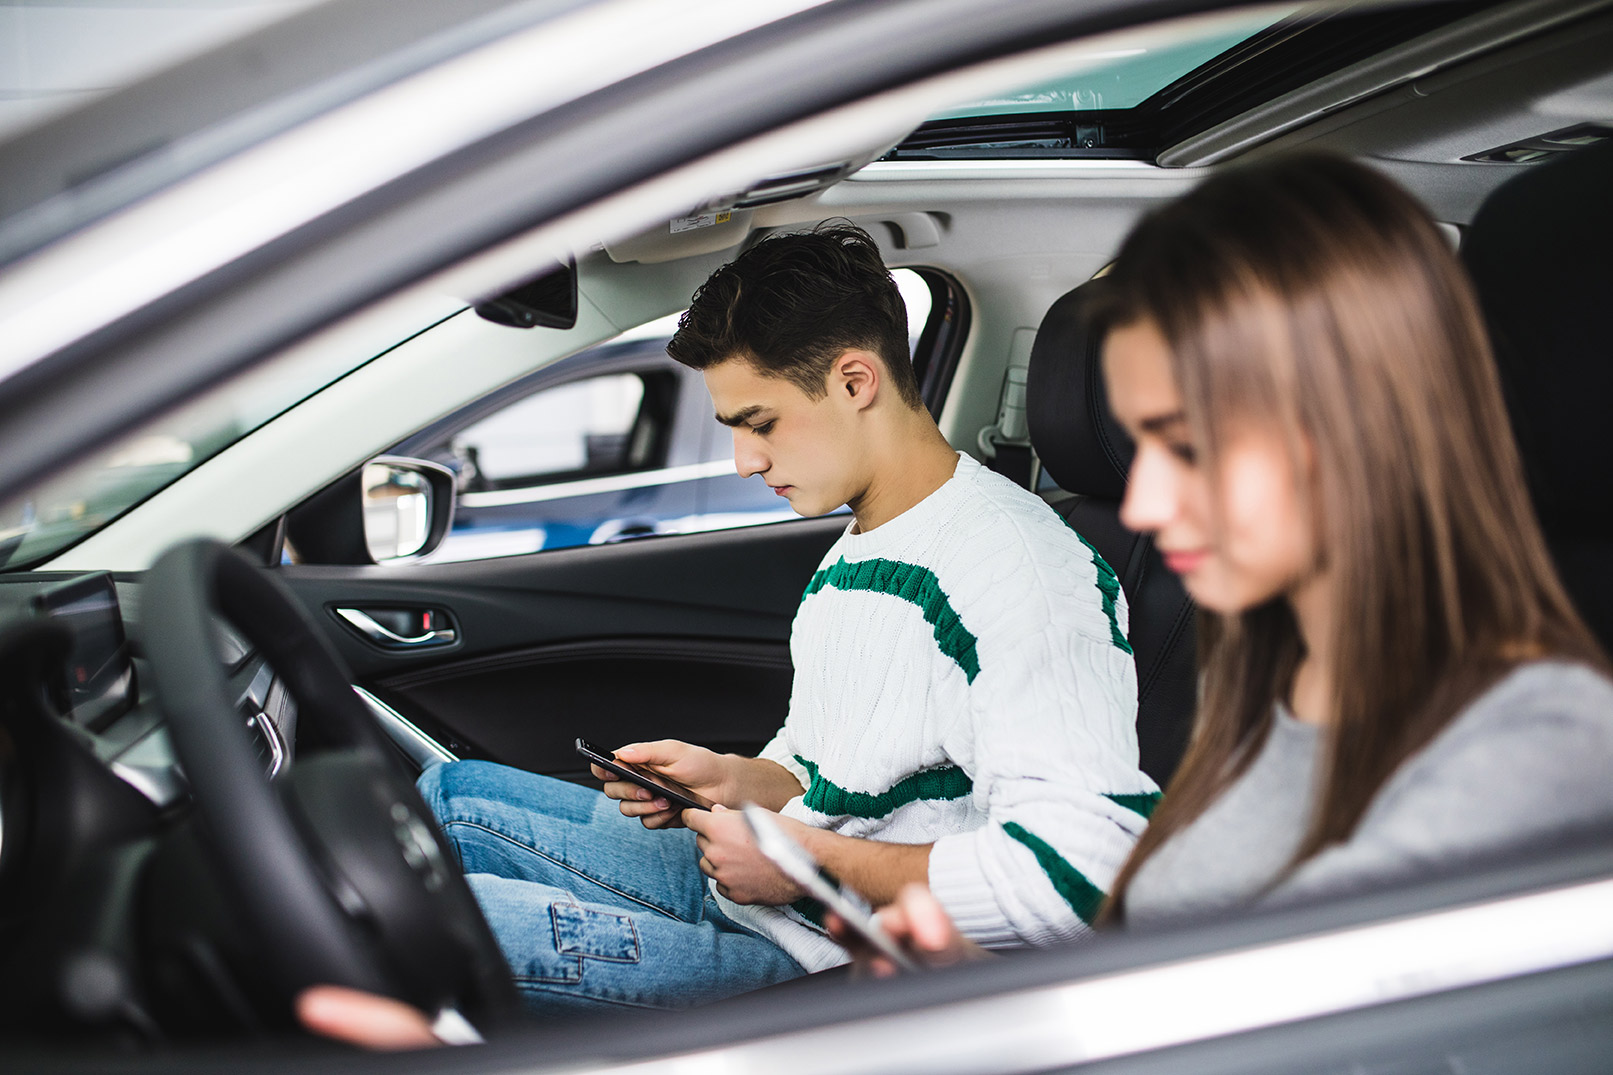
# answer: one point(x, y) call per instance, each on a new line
point(1313, 294)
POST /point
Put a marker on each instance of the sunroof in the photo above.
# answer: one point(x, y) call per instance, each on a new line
point(1133, 102)
point(1121, 78)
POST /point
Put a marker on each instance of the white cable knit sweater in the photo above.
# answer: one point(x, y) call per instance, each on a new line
point(962, 677)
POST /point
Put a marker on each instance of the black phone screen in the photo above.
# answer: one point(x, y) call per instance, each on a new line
point(682, 797)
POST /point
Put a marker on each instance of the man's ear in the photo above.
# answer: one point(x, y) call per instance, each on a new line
point(857, 377)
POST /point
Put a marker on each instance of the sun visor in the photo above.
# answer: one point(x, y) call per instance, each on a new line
point(704, 232)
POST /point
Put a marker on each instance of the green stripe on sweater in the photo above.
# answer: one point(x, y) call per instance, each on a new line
point(1138, 804)
point(910, 582)
point(826, 797)
point(1082, 895)
point(1109, 587)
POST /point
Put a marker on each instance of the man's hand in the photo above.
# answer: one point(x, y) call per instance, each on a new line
point(727, 779)
point(364, 1019)
point(919, 924)
point(702, 771)
point(730, 857)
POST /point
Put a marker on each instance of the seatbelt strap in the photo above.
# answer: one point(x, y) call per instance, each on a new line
point(1014, 462)
point(1006, 445)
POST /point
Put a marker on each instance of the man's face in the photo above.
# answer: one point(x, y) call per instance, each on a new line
point(807, 449)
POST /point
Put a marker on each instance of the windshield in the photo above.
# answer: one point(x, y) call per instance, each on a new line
point(83, 498)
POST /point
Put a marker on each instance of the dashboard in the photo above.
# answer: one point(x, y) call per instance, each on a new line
point(117, 917)
point(97, 689)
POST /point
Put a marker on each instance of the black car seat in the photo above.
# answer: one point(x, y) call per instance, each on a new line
point(1085, 451)
point(1540, 252)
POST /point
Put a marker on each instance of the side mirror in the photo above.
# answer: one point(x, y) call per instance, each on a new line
point(408, 507)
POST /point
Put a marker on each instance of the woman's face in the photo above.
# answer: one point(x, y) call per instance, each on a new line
point(1233, 552)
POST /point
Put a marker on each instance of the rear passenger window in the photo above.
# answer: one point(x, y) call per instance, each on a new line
point(938, 325)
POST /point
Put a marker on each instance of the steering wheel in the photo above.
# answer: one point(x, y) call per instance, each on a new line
point(337, 865)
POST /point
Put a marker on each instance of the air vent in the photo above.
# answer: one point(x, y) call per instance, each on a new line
point(266, 743)
point(1545, 146)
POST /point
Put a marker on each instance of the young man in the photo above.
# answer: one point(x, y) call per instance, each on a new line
point(963, 708)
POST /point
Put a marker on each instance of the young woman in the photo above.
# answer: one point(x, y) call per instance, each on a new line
point(1392, 677)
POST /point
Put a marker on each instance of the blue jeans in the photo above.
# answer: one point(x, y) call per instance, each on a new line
point(592, 910)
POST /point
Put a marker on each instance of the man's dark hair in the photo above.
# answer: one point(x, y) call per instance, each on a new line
point(793, 304)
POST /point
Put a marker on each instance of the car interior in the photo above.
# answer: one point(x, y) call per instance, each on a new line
point(149, 690)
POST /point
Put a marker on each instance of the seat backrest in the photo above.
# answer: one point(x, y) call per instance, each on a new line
point(1540, 252)
point(1086, 452)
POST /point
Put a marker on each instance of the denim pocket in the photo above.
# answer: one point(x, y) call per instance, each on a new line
point(589, 934)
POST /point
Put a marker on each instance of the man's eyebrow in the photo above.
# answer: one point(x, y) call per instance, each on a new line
point(741, 416)
point(1161, 422)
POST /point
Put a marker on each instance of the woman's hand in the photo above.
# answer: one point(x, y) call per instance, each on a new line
point(919, 924)
point(364, 1019)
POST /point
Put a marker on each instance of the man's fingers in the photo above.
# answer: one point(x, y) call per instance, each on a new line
point(661, 819)
point(364, 1019)
point(653, 817)
point(660, 752)
point(642, 808)
point(626, 790)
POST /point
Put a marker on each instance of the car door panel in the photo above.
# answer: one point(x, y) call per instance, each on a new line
point(527, 706)
point(673, 637)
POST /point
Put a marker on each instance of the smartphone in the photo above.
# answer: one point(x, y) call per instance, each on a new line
point(799, 866)
point(675, 794)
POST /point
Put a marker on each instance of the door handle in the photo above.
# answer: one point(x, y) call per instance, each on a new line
point(381, 635)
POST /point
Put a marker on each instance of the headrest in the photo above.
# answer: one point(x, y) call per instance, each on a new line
point(1538, 251)
point(1079, 442)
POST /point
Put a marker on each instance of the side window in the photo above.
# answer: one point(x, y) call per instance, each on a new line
point(919, 302)
point(574, 454)
point(938, 325)
point(586, 427)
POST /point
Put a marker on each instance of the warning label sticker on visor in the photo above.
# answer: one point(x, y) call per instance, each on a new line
point(704, 220)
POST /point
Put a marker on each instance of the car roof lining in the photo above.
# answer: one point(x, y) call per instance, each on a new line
point(1546, 83)
point(1498, 46)
point(1420, 62)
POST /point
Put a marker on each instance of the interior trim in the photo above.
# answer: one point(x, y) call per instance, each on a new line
point(1115, 1015)
point(610, 483)
point(416, 745)
point(714, 651)
point(1444, 48)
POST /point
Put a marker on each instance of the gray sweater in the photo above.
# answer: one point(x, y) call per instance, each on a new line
point(1531, 756)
